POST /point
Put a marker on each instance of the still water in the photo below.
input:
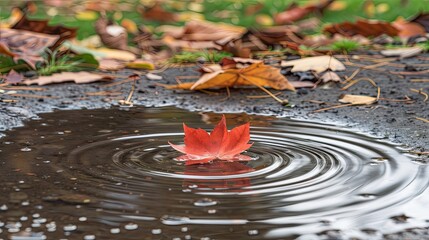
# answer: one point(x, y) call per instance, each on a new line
point(110, 174)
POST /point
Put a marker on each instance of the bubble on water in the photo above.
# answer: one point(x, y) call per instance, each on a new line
point(69, 227)
point(253, 232)
point(205, 202)
point(36, 215)
point(115, 230)
point(13, 230)
point(23, 219)
point(193, 186)
point(131, 226)
point(188, 237)
point(83, 219)
point(25, 203)
point(174, 220)
point(186, 190)
point(184, 229)
point(26, 149)
point(4, 207)
point(40, 220)
point(156, 231)
point(89, 237)
point(35, 225)
point(212, 211)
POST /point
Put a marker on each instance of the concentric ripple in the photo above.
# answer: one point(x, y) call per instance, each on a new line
point(304, 177)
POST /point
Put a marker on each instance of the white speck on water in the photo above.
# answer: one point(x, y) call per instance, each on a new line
point(13, 230)
point(205, 202)
point(25, 203)
point(193, 186)
point(115, 230)
point(188, 237)
point(35, 225)
point(26, 149)
point(89, 237)
point(23, 219)
point(156, 231)
point(36, 215)
point(184, 229)
point(212, 211)
point(186, 190)
point(40, 220)
point(69, 227)
point(83, 219)
point(131, 226)
point(253, 232)
point(4, 207)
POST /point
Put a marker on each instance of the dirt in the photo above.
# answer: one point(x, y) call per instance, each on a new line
point(393, 119)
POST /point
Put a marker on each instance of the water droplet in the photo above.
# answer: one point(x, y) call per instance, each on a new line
point(26, 149)
point(115, 230)
point(89, 237)
point(36, 215)
point(23, 218)
point(69, 227)
point(4, 207)
point(184, 229)
point(212, 211)
point(83, 219)
point(131, 226)
point(156, 231)
point(205, 202)
point(253, 232)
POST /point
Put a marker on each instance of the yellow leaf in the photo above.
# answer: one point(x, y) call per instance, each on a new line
point(357, 99)
point(257, 74)
point(139, 64)
point(87, 15)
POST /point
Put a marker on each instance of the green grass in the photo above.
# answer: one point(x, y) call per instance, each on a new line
point(192, 57)
point(345, 46)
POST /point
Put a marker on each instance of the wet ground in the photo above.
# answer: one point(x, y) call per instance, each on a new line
point(390, 119)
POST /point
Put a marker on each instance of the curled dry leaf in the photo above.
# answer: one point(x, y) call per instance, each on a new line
point(201, 147)
point(77, 77)
point(402, 52)
point(257, 74)
point(408, 29)
point(295, 12)
point(330, 76)
point(110, 64)
point(318, 64)
point(113, 36)
point(158, 13)
point(366, 28)
point(357, 99)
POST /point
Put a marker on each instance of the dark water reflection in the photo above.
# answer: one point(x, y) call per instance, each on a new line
point(110, 174)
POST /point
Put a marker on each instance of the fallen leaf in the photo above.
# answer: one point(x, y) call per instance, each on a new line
point(77, 77)
point(209, 31)
point(330, 76)
point(402, 52)
point(302, 84)
point(295, 12)
point(130, 26)
point(318, 64)
point(113, 36)
point(140, 64)
point(423, 20)
point(158, 13)
point(201, 147)
point(257, 74)
point(101, 53)
point(408, 29)
point(357, 99)
point(86, 15)
point(111, 64)
point(13, 77)
point(363, 27)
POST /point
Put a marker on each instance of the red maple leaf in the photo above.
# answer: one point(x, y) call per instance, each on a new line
point(202, 147)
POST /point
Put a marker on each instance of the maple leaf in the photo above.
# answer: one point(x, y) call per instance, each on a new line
point(201, 147)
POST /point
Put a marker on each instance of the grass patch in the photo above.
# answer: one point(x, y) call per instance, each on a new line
point(193, 57)
point(345, 45)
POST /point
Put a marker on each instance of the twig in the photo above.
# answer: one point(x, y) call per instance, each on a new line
point(333, 107)
point(23, 88)
point(422, 119)
point(128, 101)
point(263, 96)
point(420, 91)
point(410, 73)
point(419, 80)
point(30, 95)
point(358, 80)
point(265, 90)
point(103, 93)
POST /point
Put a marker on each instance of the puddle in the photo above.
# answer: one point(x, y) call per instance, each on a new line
point(97, 174)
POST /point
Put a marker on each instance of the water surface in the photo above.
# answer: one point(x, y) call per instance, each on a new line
point(110, 174)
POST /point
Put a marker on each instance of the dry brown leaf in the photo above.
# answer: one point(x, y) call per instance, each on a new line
point(408, 29)
point(318, 64)
point(363, 27)
point(357, 99)
point(209, 31)
point(257, 74)
point(110, 64)
point(295, 12)
point(302, 84)
point(13, 77)
point(330, 76)
point(402, 52)
point(423, 20)
point(113, 36)
point(77, 77)
point(158, 13)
